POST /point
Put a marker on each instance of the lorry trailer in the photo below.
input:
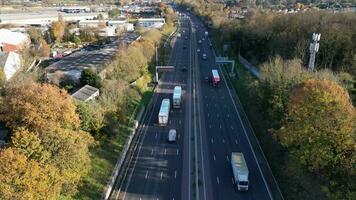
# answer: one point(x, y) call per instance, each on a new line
point(215, 79)
point(240, 171)
point(164, 112)
point(177, 97)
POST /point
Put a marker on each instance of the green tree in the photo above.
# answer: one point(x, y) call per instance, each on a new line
point(114, 13)
point(91, 117)
point(319, 129)
point(25, 179)
point(278, 77)
point(91, 78)
point(38, 107)
point(76, 40)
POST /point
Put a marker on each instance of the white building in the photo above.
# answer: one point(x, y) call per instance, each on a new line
point(151, 22)
point(121, 24)
point(92, 23)
point(10, 63)
point(107, 32)
point(44, 18)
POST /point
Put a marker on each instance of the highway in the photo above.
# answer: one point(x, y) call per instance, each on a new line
point(209, 128)
point(156, 170)
point(223, 132)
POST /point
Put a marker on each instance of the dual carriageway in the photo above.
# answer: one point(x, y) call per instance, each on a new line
point(209, 128)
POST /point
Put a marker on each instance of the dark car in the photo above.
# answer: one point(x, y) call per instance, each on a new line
point(184, 69)
point(207, 79)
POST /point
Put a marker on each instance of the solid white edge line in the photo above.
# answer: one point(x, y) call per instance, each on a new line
point(243, 127)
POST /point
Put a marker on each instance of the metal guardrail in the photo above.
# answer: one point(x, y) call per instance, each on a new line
point(115, 173)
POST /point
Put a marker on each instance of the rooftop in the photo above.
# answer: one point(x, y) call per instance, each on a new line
point(10, 37)
point(86, 93)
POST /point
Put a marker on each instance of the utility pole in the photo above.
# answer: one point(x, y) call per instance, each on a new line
point(314, 48)
point(156, 63)
point(156, 54)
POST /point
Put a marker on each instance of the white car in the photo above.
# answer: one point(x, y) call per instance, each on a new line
point(204, 56)
point(198, 50)
point(172, 135)
point(203, 39)
point(199, 41)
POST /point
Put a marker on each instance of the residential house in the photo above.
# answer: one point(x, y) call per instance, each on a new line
point(13, 41)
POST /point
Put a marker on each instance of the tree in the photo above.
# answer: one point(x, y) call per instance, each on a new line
point(91, 117)
point(88, 35)
point(35, 35)
point(38, 107)
point(25, 179)
point(45, 49)
point(319, 129)
point(2, 77)
point(114, 13)
point(278, 77)
point(64, 149)
point(58, 28)
point(91, 78)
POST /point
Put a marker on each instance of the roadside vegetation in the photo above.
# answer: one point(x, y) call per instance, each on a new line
point(305, 121)
point(63, 149)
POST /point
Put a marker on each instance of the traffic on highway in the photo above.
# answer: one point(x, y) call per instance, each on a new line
point(193, 143)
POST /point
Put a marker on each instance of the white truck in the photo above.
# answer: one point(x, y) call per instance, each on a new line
point(239, 170)
point(177, 97)
point(164, 112)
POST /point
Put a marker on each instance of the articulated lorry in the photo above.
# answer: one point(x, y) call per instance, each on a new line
point(164, 112)
point(215, 79)
point(240, 171)
point(177, 97)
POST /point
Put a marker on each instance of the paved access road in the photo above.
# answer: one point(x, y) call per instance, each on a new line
point(157, 170)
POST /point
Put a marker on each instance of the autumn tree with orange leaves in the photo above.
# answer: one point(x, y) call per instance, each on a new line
point(319, 129)
point(25, 179)
point(57, 29)
point(46, 138)
point(38, 107)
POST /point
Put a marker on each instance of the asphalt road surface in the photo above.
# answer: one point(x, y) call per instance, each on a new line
point(223, 132)
point(209, 128)
point(156, 172)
